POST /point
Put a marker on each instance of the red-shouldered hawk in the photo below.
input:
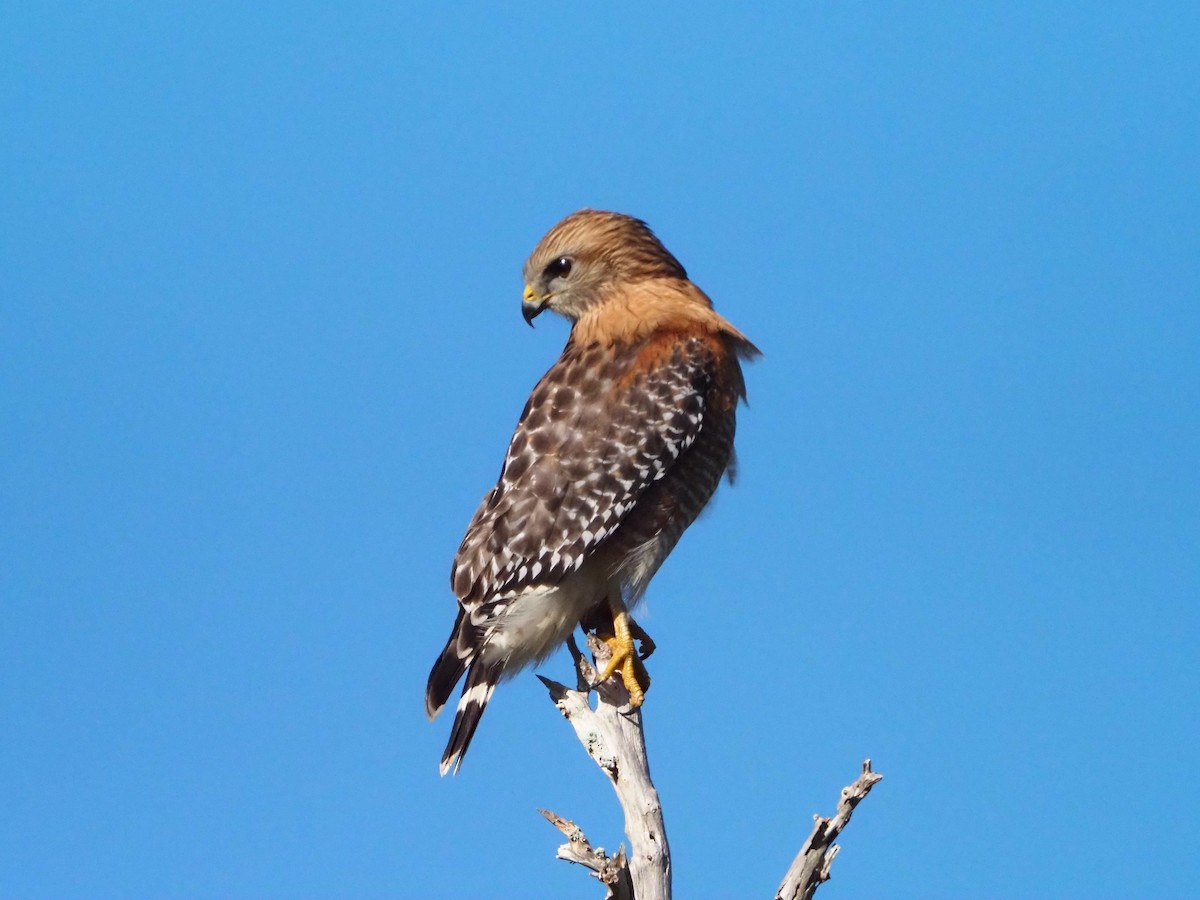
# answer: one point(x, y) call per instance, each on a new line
point(620, 446)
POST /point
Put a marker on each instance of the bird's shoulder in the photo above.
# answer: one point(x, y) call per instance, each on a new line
point(659, 311)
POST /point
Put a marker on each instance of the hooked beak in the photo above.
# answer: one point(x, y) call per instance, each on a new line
point(532, 305)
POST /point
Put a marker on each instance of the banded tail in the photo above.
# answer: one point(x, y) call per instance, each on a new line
point(459, 656)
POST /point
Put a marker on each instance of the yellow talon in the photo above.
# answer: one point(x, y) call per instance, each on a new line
point(625, 659)
point(638, 633)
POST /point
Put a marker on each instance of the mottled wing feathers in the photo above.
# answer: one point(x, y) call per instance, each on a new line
point(603, 424)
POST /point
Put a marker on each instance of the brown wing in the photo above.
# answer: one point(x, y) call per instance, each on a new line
point(600, 427)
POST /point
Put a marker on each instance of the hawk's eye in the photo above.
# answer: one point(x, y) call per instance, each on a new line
point(560, 268)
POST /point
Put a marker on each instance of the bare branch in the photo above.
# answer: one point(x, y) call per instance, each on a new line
point(612, 871)
point(811, 866)
point(613, 737)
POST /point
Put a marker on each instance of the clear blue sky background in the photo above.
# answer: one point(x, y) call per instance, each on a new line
point(261, 352)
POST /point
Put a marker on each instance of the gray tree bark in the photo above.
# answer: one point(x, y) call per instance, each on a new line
point(611, 733)
point(810, 868)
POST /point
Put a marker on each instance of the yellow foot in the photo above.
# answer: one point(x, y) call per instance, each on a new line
point(625, 659)
point(639, 634)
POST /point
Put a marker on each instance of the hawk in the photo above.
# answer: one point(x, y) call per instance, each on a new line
point(620, 446)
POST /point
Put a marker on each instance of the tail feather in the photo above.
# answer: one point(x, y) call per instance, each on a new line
point(449, 668)
point(481, 681)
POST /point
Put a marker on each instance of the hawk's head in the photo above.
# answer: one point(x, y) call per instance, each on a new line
point(586, 255)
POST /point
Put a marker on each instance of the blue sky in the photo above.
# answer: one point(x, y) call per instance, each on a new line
point(261, 352)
